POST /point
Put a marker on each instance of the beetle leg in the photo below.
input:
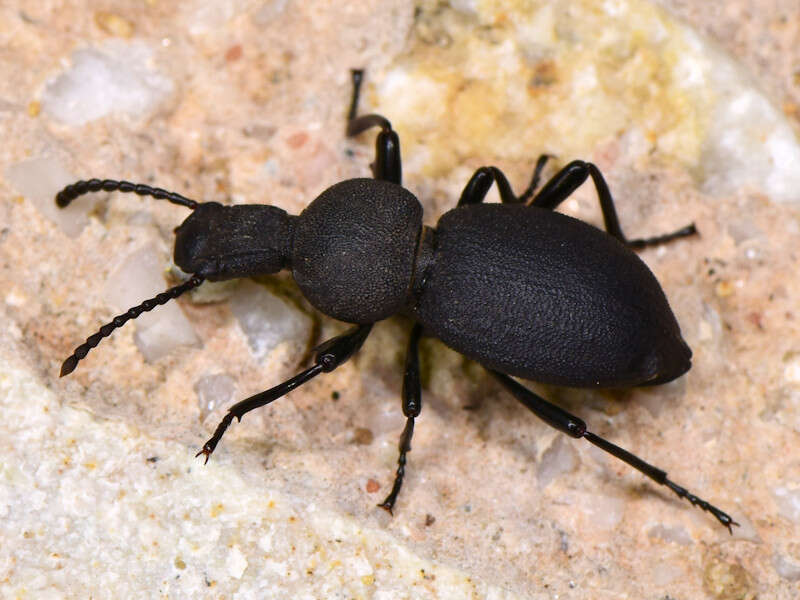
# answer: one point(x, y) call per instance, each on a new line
point(576, 428)
point(537, 175)
point(479, 184)
point(568, 179)
point(412, 404)
point(481, 181)
point(330, 354)
point(387, 145)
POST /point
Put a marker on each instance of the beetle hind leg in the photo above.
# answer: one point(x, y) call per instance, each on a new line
point(576, 428)
point(412, 404)
point(481, 181)
point(568, 179)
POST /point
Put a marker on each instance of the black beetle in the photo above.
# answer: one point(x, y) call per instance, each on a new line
point(517, 287)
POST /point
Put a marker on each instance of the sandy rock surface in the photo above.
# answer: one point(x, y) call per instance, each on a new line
point(690, 110)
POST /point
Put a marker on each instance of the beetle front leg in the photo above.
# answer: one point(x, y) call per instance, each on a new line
point(568, 179)
point(412, 404)
point(330, 354)
point(576, 428)
point(387, 164)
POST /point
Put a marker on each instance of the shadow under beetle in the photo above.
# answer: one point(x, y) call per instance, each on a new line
point(517, 287)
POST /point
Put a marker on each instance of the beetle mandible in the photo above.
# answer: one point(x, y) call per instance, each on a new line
point(521, 289)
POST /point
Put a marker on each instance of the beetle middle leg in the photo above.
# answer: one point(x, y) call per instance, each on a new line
point(387, 166)
point(568, 179)
point(412, 404)
point(330, 354)
point(478, 185)
point(576, 428)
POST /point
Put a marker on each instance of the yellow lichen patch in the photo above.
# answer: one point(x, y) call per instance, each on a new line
point(510, 79)
point(728, 581)
point(723, 289)
point(113, 24)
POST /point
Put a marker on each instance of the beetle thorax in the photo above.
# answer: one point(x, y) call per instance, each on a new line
point(354, 249)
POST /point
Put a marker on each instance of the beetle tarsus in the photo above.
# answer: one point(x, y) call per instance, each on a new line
point(404, 447)
point(356, 77)
point(686, 231)
point(412, 406)
point(721, 516)
point(211, 444)
point(206, 452)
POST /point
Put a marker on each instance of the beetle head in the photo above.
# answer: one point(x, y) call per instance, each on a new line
point(220, 242)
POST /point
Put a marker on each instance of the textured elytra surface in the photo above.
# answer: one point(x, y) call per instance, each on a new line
point(544, 296)
point(354, 249)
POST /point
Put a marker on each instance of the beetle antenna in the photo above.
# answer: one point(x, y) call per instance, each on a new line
point(81, 351)
point(79, 188)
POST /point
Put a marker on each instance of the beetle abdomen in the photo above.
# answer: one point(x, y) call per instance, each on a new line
point(540, 295)
point(354, 249)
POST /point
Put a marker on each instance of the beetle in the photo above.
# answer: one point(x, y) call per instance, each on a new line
point(521, 289)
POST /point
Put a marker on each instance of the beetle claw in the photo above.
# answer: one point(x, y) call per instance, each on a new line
point(206, 451)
